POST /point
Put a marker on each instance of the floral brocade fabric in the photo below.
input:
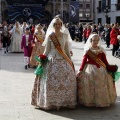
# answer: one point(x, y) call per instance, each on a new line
point(96, 87)
point(56, 88)
point(37, 50)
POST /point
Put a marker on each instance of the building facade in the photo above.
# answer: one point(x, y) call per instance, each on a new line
point(54, 7)
point(86, 11)
point(107, 11)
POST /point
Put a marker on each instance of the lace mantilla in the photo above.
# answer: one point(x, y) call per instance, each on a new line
point(97, 51)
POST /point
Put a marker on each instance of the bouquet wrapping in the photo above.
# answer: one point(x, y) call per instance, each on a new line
point(42, 59)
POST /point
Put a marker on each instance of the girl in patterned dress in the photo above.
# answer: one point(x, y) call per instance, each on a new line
point(95, 85)
point(37, 48)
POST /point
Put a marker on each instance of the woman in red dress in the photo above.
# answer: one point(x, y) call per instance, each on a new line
point(88, 32)
point(114, 41)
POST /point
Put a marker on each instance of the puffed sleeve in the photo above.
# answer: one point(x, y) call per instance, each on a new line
point(47, 47)
point(67, 50)
point(84, 60)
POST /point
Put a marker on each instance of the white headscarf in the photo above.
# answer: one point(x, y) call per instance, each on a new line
point(19, 28)
point(88, 44)
point(36, 29)
point(51, 29)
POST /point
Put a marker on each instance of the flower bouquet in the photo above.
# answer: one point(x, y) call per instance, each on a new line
point(113, 70)
point(42, 59)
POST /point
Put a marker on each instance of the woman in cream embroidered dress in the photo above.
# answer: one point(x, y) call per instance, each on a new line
point(38, 48)
point(57, 86)
point(16, 38)
point(95, 84)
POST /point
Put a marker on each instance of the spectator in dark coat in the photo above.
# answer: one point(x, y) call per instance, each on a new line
point(107, 36)
point(80, 33)
point(94, 29)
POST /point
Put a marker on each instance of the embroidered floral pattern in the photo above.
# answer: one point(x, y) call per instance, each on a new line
point(96, 87)
point(57, 87)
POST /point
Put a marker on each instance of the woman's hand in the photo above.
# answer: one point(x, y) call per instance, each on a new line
point(71, 53)
point(80, 74)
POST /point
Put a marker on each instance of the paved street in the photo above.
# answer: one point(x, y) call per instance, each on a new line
point(16, 86)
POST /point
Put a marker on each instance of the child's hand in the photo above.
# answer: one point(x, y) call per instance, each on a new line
point(79, 74)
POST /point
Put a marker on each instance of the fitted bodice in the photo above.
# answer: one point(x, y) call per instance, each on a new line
point(51, 51)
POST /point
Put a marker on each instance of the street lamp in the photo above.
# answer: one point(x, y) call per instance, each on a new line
point(106, 11)
point(87, 15)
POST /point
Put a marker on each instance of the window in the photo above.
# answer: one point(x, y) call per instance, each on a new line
point(87, 15)
point(108, 20)
point(81, 5)
point(80, 15)
point(87, 5)
point(99, 7)
point(99, 4)
point(118, 5)
point(64, 0)
point(118, 19)
point(99, 20)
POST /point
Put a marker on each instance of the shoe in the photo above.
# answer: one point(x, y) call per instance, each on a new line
point(28, 65)
point(113, 55)
point(4, 51)
point(25, 66)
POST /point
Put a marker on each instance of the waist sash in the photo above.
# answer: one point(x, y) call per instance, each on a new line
point(95, 58)
point(39, 39)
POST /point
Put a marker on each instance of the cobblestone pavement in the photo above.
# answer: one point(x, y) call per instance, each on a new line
point(16, 86)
